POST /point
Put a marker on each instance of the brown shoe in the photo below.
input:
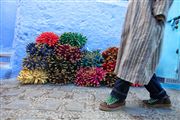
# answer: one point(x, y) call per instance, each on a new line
point(111, 104)
point(164, 102)
point(104, 106)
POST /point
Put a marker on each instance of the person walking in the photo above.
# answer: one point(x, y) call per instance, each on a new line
point(139, 53)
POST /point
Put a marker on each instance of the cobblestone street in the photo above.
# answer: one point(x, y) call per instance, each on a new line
point(53, 102)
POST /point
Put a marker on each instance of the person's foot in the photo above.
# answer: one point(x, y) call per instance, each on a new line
point(164, 102)
point(111, 104)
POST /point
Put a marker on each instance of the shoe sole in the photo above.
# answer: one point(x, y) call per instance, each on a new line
point(158, 105)
point(110, 109)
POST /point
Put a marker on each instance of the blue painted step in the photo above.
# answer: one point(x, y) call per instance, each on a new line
point(5, 66)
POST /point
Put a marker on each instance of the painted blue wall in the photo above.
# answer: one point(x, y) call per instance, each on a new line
point(7, 24)
point(169, 58)
point(101, 22)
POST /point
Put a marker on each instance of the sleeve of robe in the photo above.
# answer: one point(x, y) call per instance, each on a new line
point(161, 7)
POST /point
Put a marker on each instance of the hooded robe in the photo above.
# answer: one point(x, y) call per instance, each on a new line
point(141, 40)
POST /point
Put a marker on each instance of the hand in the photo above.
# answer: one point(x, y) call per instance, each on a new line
point(160, 18)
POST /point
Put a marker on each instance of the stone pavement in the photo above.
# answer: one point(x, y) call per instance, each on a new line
point(69, 102)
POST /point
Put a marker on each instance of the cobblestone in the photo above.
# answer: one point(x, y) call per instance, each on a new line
point(49, 104)
point(12, 92)
point(19, 104)
point(57, 94)
point(34, 93)
point(69, 102)
point(75, 106)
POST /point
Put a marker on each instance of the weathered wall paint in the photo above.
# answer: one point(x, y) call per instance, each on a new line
point(100, 21)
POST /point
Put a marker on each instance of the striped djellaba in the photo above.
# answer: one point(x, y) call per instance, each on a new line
point(141, 40)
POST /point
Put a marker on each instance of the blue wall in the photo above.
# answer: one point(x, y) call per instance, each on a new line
point(100, 22)
point(170, 59)
point(7, 24)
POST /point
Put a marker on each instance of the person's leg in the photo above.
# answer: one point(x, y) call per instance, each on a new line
point(117, 96)
point(158, 95)
point(120, 89)
point(155, 89)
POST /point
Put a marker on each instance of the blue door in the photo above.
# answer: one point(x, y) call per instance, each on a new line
point(7, 26)
point(169, 66)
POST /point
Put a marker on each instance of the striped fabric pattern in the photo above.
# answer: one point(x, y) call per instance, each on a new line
point(141, 40)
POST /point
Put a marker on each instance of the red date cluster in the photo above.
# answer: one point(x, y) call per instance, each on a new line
point(90, 77)
point(110, 56)
point(48, 38)
point(68, 53)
